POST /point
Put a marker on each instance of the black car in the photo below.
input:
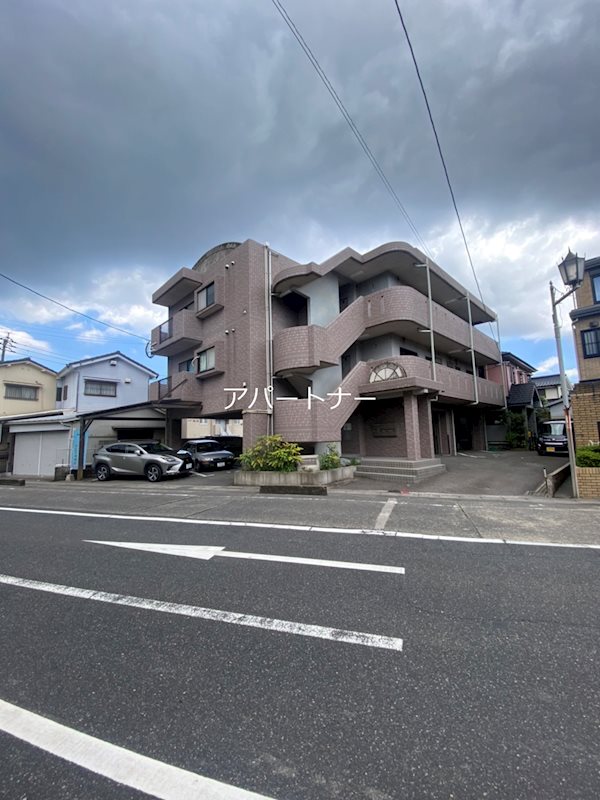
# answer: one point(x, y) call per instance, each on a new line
point(552, 438)
point(208, 454)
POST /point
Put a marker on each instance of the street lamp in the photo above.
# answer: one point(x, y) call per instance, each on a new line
point(571, 271)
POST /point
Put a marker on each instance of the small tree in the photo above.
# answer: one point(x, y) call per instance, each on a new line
point(516, 435)
point(271, 454)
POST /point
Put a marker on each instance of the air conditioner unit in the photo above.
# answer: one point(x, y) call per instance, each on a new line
point(113, 363)
point(127, 380)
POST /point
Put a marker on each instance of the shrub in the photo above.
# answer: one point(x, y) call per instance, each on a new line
point(516, 435)
point(271, 454)
point(330, 459)
point(588, 456)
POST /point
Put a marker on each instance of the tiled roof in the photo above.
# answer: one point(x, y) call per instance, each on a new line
point(522, 394)
point(547, 380)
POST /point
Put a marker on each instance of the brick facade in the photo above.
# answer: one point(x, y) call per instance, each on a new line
point(321, 344)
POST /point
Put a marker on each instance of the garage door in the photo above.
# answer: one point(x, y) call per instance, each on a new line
point(38, 453)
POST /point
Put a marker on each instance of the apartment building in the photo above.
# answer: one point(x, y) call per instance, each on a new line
point(355, 350)
point(585, 398)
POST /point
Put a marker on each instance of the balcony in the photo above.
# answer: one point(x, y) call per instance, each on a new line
point(177, 389)
point(177, 288)
point(180, 332)
point(399, 310)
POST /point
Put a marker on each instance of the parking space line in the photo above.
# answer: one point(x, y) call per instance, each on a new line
point(211, 614)
point(154, 778)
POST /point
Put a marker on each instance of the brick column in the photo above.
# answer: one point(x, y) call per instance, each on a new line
point(255, 425)
point(411, 427)
point(425, 427)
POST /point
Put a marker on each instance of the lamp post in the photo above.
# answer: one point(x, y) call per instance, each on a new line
point(571, 271)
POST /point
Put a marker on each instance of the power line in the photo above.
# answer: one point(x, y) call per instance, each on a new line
point(439, 148)
point(72, 310)
point(348, 118)
point(37, 331)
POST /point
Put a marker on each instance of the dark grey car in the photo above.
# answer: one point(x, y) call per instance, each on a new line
point(208, 454)
point(152, 459)
point(552, 438)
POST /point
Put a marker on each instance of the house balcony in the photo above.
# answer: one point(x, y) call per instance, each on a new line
point(398, 310)
point(451, 385)
point(180, 332)
point(179, 388)
point(323, 420)
point(178, 287)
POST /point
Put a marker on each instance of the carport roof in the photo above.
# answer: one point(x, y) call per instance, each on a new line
point(110, 413)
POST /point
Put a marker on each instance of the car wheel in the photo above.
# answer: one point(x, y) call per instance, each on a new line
point(153, 473)
point(103, 472)
point(197, 466)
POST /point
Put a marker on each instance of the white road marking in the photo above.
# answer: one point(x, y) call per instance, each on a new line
point(384, 515)
point(206, 552)
point(154, 778)
point(298, 528)
point(212, 614)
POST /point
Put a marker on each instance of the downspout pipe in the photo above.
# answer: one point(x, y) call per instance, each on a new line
point(472, 348)
point(269, 334)
point(430, 305)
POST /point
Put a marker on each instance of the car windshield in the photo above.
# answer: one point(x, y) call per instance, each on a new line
point(205, 447)
point(554, 429)
point(156, 448)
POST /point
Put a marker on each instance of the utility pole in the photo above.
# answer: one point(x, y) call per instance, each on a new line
point(5, 343)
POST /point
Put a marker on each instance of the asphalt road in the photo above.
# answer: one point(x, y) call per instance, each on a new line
point(472, 675)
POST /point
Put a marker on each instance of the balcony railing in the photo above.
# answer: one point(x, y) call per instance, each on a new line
point(165, 331)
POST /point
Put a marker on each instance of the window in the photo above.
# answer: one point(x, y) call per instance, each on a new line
point(206, 297)
point(65, 392)
point(591, 343)
point(596, 287)
point(58, 394)
point(206, 359)
point(16, 391)
point(100, 388)
point(186, 366)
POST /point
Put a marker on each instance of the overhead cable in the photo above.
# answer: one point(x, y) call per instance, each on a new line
point(349, 120)
point(439, 148)
point(72, 310)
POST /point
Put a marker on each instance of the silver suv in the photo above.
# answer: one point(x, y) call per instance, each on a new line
point(152, 459)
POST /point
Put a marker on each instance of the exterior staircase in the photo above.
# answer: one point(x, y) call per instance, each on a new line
point(402, 470)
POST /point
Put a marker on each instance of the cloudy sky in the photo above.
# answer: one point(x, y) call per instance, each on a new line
point(137, 134)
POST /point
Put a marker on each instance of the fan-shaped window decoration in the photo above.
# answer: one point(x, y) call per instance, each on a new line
point(386, 372)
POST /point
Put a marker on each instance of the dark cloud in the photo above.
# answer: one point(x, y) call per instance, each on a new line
point(137, 134)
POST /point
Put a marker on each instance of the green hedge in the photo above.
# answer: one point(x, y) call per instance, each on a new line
point(588, 456)
point(271, 454)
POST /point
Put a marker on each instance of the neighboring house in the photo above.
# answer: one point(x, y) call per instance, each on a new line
point(585, 397)
point(39, 443)
point(549, 388)
point(521, 396)
point(113, 387)
point(345, 346)
point(26, 387)
point(102, 382)
point(512, 371)
point(200, 428)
